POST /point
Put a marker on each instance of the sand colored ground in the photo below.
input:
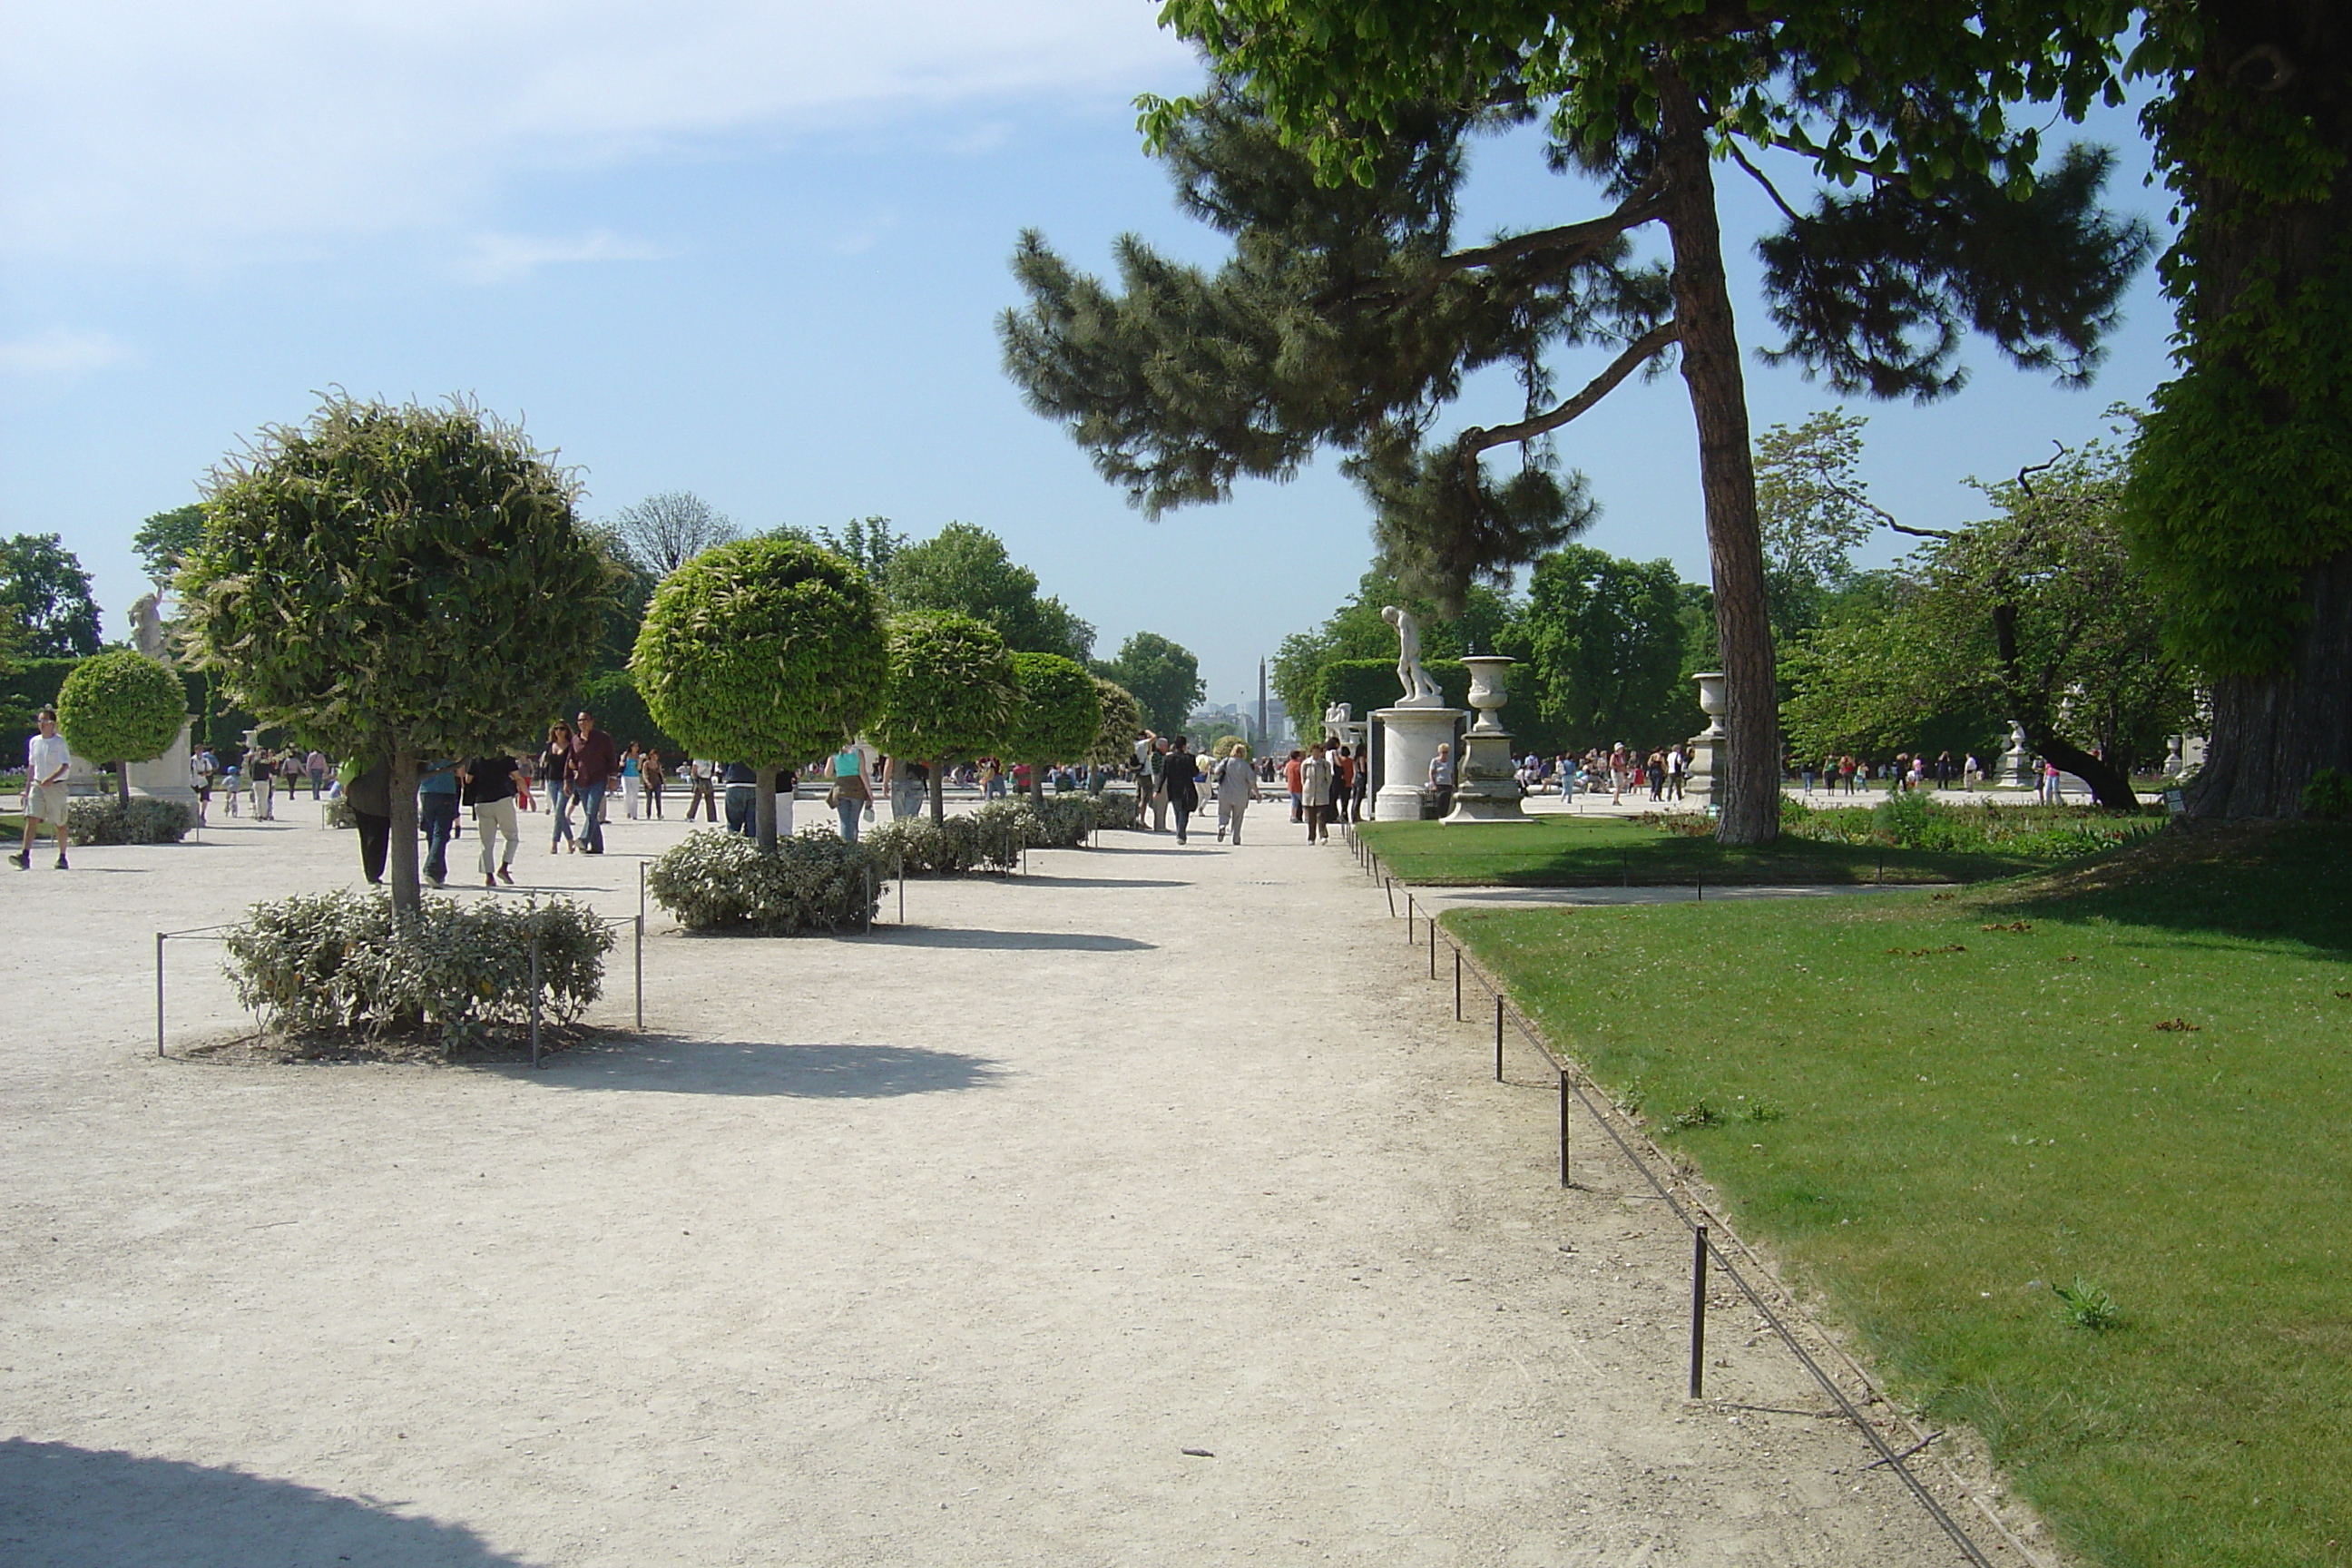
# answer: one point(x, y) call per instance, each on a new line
point(940, 1246)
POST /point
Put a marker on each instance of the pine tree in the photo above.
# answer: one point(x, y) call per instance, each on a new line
point(1348, 316)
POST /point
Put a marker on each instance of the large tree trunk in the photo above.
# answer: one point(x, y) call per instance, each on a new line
point(2031, 707)
point(401, 869)
point(1749, 786)
point(2271, 733)
point(763, 813)
point(2272, 69)
point(938, 791)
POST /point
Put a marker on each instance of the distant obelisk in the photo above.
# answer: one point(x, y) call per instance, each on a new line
point(1265, 741)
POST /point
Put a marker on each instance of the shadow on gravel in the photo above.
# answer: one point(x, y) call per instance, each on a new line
point(63, 1506)
point(1034, 880)
point(799, 1072)
point(1012, 941)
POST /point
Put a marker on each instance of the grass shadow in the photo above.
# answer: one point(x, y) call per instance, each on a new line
point(1008, 941)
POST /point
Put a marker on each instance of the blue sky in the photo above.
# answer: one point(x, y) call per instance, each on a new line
point(751, 250)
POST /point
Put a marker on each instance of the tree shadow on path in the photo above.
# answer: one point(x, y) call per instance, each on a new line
point(63, 1506)
point(662, 1066)
point(1009, 940)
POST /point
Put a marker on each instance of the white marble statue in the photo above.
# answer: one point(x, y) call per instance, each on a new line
point(1420, 691)
point(1337, 719)
point(147, 627)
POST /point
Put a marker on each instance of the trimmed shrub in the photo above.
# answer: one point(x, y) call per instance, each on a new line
point(990, 839)
point(812, 882)
point(120, 707)
point(144, 821)
point(333, 961)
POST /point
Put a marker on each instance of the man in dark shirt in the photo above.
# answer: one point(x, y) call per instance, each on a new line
point(590, 765)
point(491, 790)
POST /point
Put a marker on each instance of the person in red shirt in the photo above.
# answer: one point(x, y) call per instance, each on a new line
point(588, 768)
point(1290, 777)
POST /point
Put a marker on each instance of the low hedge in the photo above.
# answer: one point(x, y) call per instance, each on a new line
point(106, 820)
point(333, 961)
point(810, 882)
point(989, 839)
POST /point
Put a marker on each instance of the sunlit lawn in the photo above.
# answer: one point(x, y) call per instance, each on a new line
point(1937, 1106)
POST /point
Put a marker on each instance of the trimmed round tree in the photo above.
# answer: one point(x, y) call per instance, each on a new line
point(1121, 726)
point(949, 695)
point(1055, 716)
point(122, 707)
point(767, 652)
point(395, 581)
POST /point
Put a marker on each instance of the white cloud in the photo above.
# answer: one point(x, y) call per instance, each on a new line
point(59, 354)
point(504, 258)
point(153, 129)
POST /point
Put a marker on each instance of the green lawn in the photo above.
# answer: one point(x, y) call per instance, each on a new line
point(1598, 851)
point(2137, 1070)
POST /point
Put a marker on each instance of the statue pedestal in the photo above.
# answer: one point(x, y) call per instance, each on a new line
point(2017, 769)
point(1706, 747)
point(166, 777)
point(1411, 739)
point(1486, 787)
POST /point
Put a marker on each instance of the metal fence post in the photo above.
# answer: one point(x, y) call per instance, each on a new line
point(1457, 985)
point(159, 993)
point(1698, 1312)
point(1564, 1180)
point(1499, 1036)
point(534, 1000)
point(1433, 946)
point(641, 974)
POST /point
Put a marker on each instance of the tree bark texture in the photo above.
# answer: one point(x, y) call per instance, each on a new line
point(1749, 786)
point(400, 868)
point(764, 812)
point(2270, 733)
point(938, 791)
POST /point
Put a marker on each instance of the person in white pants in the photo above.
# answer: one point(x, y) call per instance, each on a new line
point(489, 786)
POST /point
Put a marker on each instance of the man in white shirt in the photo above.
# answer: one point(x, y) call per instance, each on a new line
point(46, 762)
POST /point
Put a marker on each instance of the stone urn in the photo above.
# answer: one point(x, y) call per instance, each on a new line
point(1487, 693)
point(1707, 746)
point(1711, 702)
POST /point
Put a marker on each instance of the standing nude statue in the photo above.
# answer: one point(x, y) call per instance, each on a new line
point(1420, 691)
point(147, 628)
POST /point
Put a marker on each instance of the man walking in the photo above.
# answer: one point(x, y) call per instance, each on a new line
point(491, 790)
point(1315, 791)
point(588, 769)
point(1178, 768)
point(1236, 786)
point(47, 762)
point(437, 813)
point(701, 773)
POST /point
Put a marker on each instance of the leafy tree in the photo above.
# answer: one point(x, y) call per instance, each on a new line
point(2037, 615)
point(1811, 509)
point(121, 707)
point(1057, 714)
point(48, 597)
point(666, 531)
point(395, 581)
point(1162, 676)
point(2241, 495)
point(1122, 725)
point(1959, 227)
point(763, 652)
point(869, 543)
point(612, 695)
point(1604, 640)
point(633, 591)
point(1487, 622)
point(949, 695)
point(964, 569)
point(166, 540)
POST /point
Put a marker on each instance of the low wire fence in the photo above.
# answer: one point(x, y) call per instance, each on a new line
point(1421, 929)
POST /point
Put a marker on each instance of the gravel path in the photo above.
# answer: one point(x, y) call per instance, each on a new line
point(1148, 1209)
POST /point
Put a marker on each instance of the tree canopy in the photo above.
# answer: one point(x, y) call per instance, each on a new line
point(396, 580)
point(121, 706)
point(1057, 715)
point(949, 694)
point(47, 596)
point(1603, 641)
point(764, 651)
point(1122, 725)
point(1162, 677)
point(666, 529)
point(166, 540)
point(1329, 147)
point(965, 569)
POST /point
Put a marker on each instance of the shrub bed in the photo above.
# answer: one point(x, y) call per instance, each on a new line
point(333, 962)
point(989, 839)
point(108, 821)
point(811, 882)
point(1922, 822)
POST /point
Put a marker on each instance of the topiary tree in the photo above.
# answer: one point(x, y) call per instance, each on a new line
point(949, 695)
point(122, 707)
point(1057, 717)
point(395, 581)
point(1121, 726)
point(764, 651)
